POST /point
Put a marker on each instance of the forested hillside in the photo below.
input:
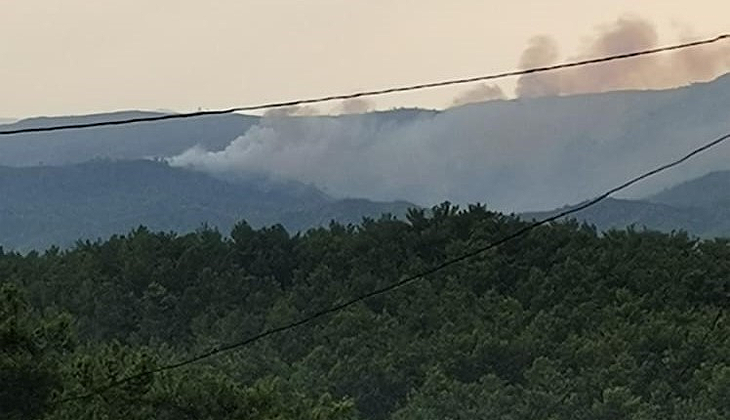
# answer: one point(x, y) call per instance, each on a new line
point(57, 205)
point(561, 324)
point(700, 206)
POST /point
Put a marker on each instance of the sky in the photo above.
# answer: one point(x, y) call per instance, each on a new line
point(80, 56)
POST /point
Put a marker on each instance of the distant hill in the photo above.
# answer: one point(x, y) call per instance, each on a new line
point(711, 191)
point(134, 141)
point(46, 205)
point(700, 206)
point(140, 140)
point(618, 214)
point(516, 155)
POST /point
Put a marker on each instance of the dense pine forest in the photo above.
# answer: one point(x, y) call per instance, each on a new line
point(563, 323)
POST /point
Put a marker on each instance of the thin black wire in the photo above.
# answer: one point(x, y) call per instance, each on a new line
point(336, 308)
point(378, 92)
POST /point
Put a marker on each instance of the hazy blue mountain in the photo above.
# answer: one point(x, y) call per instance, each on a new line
point(711, 191)
point(515, 155)
point(48, 205)
point(619, 213)
point(700, 206)
point(141, 140)
point(135, 141)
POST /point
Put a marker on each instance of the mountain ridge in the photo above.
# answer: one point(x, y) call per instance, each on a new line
point(700, 206)
point(56, 205)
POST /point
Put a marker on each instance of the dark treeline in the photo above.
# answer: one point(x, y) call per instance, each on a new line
point(564, 323)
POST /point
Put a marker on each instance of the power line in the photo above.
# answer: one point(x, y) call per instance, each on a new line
point(378, 92)
point(336, 308)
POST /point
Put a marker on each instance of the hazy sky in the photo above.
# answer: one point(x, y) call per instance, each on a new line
point(80, 56)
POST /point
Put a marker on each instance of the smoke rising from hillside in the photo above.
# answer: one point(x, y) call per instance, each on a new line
point(627, 34)
point(355, 106)
point(349, 106)
point(480, 93)
point(292, 111)
point(513, 155)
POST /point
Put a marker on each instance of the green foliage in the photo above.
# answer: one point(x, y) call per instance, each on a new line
point(560, 324)
point(30, 349)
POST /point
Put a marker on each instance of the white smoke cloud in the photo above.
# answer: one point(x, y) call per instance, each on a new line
point(512, 155)
point(626, 34)
point(344, 107)
point(480, 93)
point(355, 106)
point(292, 111)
